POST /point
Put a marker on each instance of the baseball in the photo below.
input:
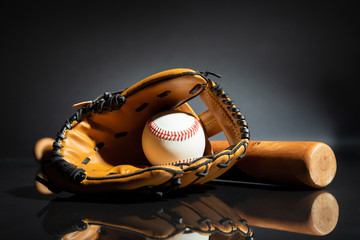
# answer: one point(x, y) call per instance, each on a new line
point(173, 137)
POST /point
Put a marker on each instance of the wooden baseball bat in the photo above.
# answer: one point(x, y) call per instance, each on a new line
point(287, 163)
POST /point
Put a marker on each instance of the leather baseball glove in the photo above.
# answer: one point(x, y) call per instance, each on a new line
point(99, 148)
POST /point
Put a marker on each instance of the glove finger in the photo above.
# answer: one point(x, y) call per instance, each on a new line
point(43, 149)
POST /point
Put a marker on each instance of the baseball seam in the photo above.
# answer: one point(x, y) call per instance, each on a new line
point(174, 135)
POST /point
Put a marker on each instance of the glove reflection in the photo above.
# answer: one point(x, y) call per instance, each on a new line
point(224, 213)
point(199, 216)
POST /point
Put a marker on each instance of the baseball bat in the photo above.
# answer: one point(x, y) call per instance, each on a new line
point(311, 164)
point(287, 163)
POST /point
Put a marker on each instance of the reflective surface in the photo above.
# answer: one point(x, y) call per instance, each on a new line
point(218, 210)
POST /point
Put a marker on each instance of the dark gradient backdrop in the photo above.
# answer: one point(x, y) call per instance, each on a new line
point(291, 66)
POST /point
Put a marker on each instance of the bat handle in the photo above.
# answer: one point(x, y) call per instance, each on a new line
point(290, 163)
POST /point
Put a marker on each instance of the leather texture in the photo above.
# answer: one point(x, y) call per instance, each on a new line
point(106, 144)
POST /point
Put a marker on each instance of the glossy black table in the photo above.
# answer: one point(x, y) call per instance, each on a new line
point(217, 210)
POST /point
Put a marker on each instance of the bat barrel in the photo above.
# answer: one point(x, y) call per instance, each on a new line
point(290, 163)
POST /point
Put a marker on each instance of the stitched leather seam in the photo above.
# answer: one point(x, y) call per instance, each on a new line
point(189, 160)
point(227, 117)
point(173, 135)
point(210, 122)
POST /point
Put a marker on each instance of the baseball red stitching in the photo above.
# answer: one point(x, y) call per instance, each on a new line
point(180, 161)
point(174, 135)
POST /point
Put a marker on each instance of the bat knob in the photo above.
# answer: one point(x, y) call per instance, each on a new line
point(321, 164)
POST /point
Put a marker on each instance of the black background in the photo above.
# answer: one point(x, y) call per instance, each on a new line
point(291, 66)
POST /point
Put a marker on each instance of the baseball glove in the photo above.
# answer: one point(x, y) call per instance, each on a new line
point(99, 148)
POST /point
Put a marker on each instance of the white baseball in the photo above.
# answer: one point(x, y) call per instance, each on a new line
point(173, 137)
